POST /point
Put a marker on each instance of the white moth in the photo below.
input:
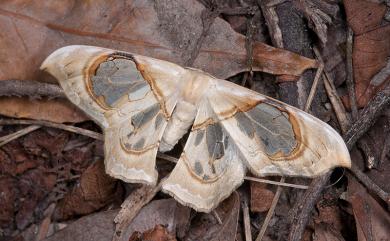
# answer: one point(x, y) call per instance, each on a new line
point(145, 105)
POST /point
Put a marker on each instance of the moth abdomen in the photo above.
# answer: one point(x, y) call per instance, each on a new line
point(181, 120)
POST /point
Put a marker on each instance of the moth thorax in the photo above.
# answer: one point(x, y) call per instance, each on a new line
point(181, 120)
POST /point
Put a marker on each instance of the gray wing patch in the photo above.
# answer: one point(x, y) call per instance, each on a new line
point(214, 139)
point(116, 77)
point(208, 151)
point(149, 119)
point(143, 117)
point(272, 128)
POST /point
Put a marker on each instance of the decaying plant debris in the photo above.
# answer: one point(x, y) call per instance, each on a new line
point(52, 184)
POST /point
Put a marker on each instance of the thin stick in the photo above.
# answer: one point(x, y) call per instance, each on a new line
point(334, 98)
point(5, 139)
point(272, 20)
point(370, 185)
point(247, 221)
point(69, 128)
point(217, 217)
point(368, 116)
point(255, 179)
point(314, 86)
point(350, 83)
point(30, 88)
point(131, 207)
point(167, 157)
point(270, 212)
point(302, 209)
point(273, 3)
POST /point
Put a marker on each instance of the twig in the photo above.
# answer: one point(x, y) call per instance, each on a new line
point(131, 207)
point(314, 87)
point(333, 97)
point(380, 77)
point(45, 224)
point(368, 152)
point(302, 209)
point(255, 179)
point(30, 88)
point(350, 83)
point(5, 139)
point(247, 221)
point(368, 116)
point(316, 17)
point(217, 217)
point(69, 128)
point(273, 3)
point(272, 20)
point(270, 211)
point(167, 157)
point(370, 185)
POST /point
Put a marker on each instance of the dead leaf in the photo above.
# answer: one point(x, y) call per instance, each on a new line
point(96, 190)
point(8, 190)
point(163, 29)
point(261, 197)
point(206, 227)
point(55, 110)
point(33, 186)
point(372, 220)
point(46, 143)
point(14, 159)
point(100, 226)
point(371, 46)
point(326, 233)
point(167, 212)
point(329, 212)
point(158, 233)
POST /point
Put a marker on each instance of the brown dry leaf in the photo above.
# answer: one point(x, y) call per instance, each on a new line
point(166, 29)
point(261, 197)
point(96, 190)
point(47, 143)
point(33, 186)
point(158, 233)
point(8, 190)
point(371, 47)
point(372, 220)
point(329, 212)
point(100, 226)
point(14, 159)
point(55, 110)
point(174, 216)
point(205, 226)
point(326, 233)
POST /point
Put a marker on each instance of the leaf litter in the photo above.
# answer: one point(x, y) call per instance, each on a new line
point(49, 166)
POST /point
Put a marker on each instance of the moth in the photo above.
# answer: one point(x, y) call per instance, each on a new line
point(145, 105)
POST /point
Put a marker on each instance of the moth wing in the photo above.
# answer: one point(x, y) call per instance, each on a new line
point(210, 167)
point(275, 138)
point(122, 93)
